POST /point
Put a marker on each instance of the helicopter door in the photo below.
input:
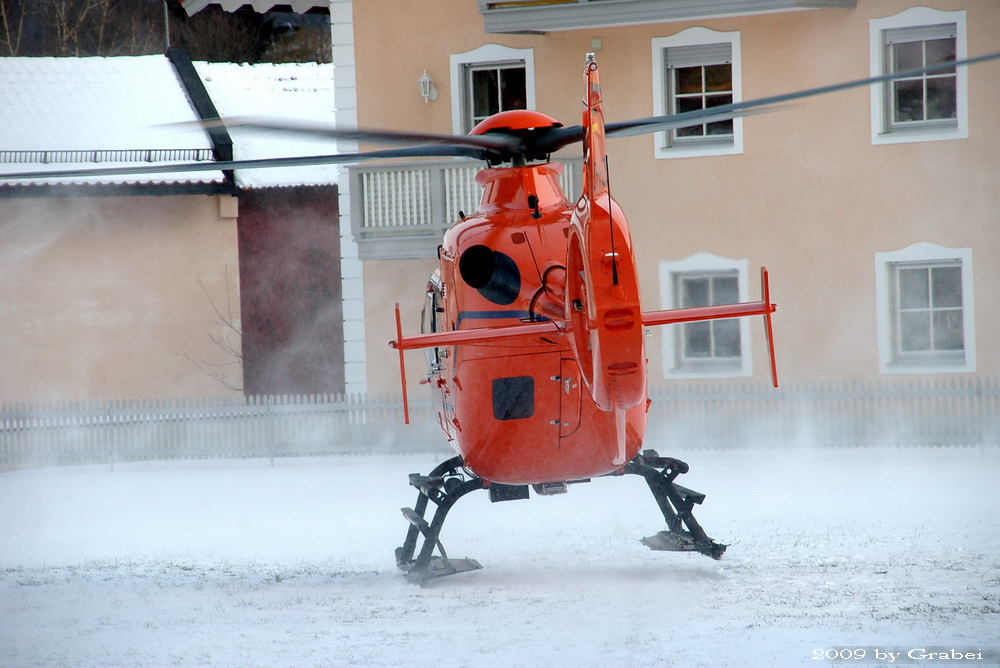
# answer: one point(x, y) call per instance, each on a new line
point(569, 397)
point(430, 321)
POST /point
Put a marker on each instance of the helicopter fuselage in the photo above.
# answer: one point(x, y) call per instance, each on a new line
point(518, 411)
point(535, 336)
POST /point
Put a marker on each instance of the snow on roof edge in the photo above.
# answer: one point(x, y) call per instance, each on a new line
point(102, 105)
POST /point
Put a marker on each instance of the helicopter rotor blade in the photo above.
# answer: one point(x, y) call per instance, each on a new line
point(558, 138)
point(261, 163)
point(656, 124)
point(493, 147)
point(490, 142)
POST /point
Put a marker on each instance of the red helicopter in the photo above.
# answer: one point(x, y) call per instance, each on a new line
point(533, 326)
point(535, 335)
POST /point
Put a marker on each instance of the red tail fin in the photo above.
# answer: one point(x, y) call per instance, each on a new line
point(595, 165)
point(602, 291)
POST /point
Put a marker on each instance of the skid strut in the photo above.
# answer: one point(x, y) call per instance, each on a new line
point(445, 485)
point(675, 502)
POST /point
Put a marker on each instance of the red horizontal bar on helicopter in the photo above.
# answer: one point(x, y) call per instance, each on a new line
point(478, 335)
point(696, 313)
point(649, 318)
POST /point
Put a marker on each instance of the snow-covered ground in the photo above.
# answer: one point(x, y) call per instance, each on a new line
point(241, 563)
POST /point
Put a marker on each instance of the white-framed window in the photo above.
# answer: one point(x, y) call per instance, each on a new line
point(925, 319)
point(713, 348)
point(697, 68)
point(927, 107)
point(488, 80)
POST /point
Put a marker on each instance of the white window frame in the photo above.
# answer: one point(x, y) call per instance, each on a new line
point(701, 263)
point(881, 99)
point(885, 304)
point(485, 55)
point(662, 146)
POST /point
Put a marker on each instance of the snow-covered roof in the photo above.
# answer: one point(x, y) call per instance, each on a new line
point(64, 113)
point(67, 113)
point(297, 91)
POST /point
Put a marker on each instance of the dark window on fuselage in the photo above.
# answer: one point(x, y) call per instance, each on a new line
point(513, 398)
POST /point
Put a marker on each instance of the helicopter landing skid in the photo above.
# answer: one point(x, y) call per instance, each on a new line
point(675, 502)
point(449, 482)
point(445, 485)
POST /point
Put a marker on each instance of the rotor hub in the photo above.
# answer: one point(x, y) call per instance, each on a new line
point(515, 120)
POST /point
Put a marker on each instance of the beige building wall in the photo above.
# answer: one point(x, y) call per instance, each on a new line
point(810, 196)
point(388, 282)
point(118, 297)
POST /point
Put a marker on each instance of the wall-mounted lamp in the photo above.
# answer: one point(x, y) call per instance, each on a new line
point(427, 89)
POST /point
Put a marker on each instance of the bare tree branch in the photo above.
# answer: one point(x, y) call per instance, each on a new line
point(232, 349)
point(11, 27)
point(136, 27)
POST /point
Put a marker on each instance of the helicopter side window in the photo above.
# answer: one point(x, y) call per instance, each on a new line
point(513, 397)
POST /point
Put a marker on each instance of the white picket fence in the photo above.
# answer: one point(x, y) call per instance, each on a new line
point(681, 417)
point(894, 412)
point(277, 426)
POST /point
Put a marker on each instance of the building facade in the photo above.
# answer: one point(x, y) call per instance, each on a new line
point(873, 208)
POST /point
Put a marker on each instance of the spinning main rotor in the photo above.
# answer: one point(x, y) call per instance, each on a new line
point(513, 137)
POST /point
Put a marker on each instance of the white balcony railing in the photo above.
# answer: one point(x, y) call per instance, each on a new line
point(401, 210)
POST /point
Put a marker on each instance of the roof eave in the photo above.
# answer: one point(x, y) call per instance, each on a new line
point(500, 17)
point(8, 190)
